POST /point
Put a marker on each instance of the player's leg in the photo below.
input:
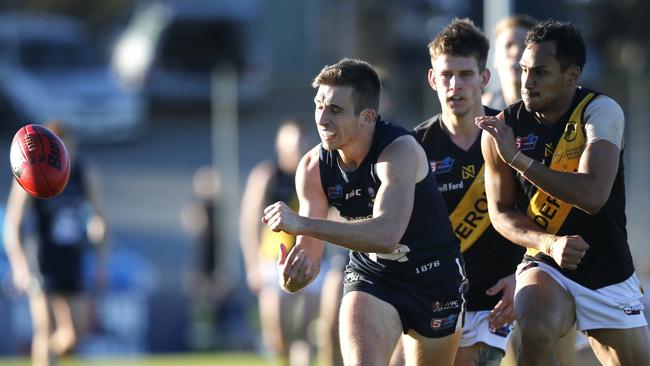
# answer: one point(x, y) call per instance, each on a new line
point(545, 312)
point(565, 348)
point(271, 322)
point(621, 346)
point(369, 329)
point(38, 307)
point(65, 334)
point(330, 304)
point(480, 344)
point(397, 359)
point(419, 350)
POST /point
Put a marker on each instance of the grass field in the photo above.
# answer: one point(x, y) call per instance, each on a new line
point(212, 359)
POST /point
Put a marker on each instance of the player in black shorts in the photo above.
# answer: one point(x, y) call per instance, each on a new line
point(51, 275)
point(453, 146)
point(554, 183)
point(405, 273)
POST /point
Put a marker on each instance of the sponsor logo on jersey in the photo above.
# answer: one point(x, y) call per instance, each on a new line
point(444, 323)
point(548, 149)
point(571, 131)
point(441, 166)
point(335, 192)
point(527, 142)
point(353, 193)
point(450, 186)
point(468, 172)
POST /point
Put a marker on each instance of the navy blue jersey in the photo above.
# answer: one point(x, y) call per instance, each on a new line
point(608, 260)
point(62, 230)
point(428, 234)
point(491, 257)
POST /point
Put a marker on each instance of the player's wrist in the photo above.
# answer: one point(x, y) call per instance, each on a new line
point(520, 162)
point(547, 244)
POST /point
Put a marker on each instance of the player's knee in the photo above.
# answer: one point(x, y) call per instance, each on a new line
point(489, 356)
point(535, 330)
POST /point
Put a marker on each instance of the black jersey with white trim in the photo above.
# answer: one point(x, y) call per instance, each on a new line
point(428, 234)
point(608, 260)
point(491, 257)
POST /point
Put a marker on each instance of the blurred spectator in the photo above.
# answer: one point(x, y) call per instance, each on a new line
point(509, 36)
point(284, 319)
point(47, 264)
point(217, 312)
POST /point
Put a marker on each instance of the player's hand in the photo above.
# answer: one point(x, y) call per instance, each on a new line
point(21, 277)
point(567, 251)
point(297, 268)
point(503, 312)
point(279, 217)
point(503, 135)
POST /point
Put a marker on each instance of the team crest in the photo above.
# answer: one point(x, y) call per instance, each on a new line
point(442, 166)
point(570, 131)
point(527, 142)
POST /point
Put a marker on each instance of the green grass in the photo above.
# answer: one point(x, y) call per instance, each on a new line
point(211, 359)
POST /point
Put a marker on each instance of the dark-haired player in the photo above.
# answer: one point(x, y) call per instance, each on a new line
point(554, 182)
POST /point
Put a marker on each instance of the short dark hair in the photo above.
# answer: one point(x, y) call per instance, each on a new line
point(359, 75)
point(570, 47)
point(461, 38)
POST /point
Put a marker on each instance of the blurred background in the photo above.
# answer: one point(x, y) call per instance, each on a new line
point(156, 90)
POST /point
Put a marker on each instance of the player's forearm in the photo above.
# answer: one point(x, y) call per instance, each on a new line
point(577, 189)
point(374, 235)
point(520, 229)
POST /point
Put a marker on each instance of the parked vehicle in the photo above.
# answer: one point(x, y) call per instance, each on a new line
point(50, 68)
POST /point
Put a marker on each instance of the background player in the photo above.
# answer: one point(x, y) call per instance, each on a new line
point(51, 273)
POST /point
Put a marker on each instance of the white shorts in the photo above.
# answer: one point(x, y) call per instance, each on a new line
point(616, 306)
point(477, 330)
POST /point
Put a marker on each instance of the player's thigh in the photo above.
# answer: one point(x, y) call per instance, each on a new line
point(420, 350)
point(479, 354)
point(369, 329)
point(543, 305)
point(621, 346)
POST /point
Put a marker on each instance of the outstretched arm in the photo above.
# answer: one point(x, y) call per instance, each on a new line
point(14, 216)
point(398, 171)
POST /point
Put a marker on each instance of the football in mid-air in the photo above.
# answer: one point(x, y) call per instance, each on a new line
point(39, 161)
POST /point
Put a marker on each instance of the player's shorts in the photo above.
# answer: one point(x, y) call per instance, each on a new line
point(271, 277)
point(64, 283)
point(616, 306)
point(477, 330)
point(432, 303)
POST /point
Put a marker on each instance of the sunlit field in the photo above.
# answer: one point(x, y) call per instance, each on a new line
point(212, 359)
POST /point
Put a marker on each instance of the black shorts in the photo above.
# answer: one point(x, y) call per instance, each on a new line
point(430, 298)
point(61, 282)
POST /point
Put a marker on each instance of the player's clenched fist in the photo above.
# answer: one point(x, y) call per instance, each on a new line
point(567, 251)
point(279, 217)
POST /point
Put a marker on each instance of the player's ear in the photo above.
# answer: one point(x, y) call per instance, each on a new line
point(485, 77)
point(431, 78)
point(368, 116)
point(573, 74)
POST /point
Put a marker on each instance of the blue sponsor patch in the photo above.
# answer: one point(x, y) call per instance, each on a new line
point(527, 142)
point(503, 331)
point(335, 192)
point(444, 323)
point(442, 166)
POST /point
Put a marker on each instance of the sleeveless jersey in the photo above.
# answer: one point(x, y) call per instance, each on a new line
point(281, 187)
point(608, 259)
point(428, 234)
point(62, 226)
point(459, 173)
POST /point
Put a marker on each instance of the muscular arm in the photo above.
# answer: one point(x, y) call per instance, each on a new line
point(587, 189)
point(15, 214)
point(398, 171)
point(501, 191)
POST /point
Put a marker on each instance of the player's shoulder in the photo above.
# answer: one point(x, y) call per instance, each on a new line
point(426, 124)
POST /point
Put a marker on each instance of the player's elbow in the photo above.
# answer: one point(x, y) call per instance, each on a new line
point(593, 206)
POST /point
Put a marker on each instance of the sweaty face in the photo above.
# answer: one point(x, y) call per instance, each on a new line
point(543, 82)
point(509, 46)
point(458, 82)
point(334, 114)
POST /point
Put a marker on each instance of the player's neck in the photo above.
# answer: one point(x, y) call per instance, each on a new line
point(553, 115)
point(461, 129)
point(352, 154)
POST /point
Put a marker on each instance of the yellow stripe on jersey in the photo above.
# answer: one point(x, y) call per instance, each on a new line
point(548, 212)
point(270, 240)
point(470, 218)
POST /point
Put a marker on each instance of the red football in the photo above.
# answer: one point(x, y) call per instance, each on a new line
point(39, 161)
